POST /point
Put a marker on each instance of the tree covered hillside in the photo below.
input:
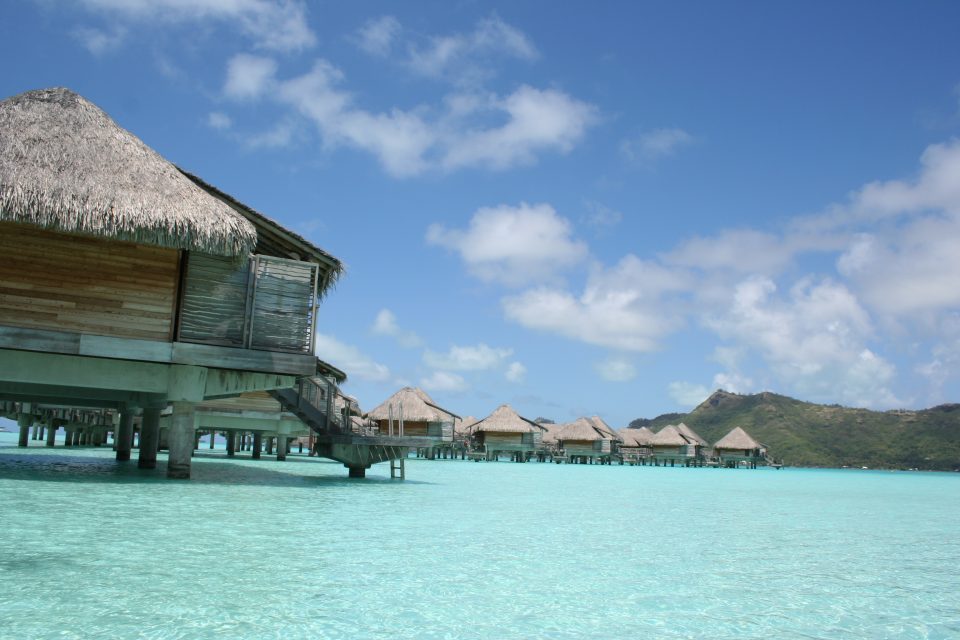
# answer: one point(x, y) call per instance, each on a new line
point(806, 434)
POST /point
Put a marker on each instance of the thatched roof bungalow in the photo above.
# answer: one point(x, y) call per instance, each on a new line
point(737, 447)
point(586, 439)
point(635, 438)
point(420, 415)
point(669, 444)
point(137, 283)
point(506, 431)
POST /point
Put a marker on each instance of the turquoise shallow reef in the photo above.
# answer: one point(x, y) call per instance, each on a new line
point(93, 549)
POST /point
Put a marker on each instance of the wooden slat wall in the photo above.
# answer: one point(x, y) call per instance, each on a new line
point(214, 300)
point(283, 305)
point(87, 285)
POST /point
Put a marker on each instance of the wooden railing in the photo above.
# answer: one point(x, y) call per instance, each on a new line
point(321, 395)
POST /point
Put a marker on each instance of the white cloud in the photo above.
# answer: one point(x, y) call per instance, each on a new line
point(249, 76)
point(277, 25)
point(616, 369)
point(349, 359)
point(279, 136)
point(513, 245)
point(733, 382)
point(814, 340)
point(98, 41)
point(378, 35)
point(219, 120)
point(687, 394)
point(385, 324)
point(743, 251)
point(443, 381)
point(516, 372)
point(458, 56)
point(655, 144)
point(409, 142)
point(537, 120)
point(472, 358)
point(627, 308)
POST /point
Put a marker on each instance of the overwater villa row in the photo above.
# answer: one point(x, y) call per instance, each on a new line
point(140, 303)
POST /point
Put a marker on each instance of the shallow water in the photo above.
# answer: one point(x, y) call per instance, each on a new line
point(96, 549)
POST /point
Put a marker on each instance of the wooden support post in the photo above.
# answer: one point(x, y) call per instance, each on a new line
point(124, 434)
point(180, 441)
point(52, 431)
point(213, 437)
point(149, 438)
point(257, 444)
point(281, 448)
point(23, 421)
point(231, 443)
point(269, 446)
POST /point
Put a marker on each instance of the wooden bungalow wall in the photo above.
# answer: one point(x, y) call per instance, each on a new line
point(67, 282)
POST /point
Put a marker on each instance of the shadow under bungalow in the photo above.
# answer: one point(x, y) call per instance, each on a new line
point(134, 295)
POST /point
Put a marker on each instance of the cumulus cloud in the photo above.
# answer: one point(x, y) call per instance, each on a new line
point(378, 35)
point(655, 144)
point(627, 307)
point(486, 131)
point(385, 324)
point(443, 381)
point(616, 369)
point(276, 25)
point(350, 359)
point(814, 339)
point(249, 76)
point(469, 358)
point(516, 372)
point(513, 245)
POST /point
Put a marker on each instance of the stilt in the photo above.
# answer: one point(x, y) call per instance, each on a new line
point(257, 444)
point(52, 432)
point(281, 448)
point(149, 439)
point(196, 440)
point(213, 437)
point(398, 469)
point(356, 472)
point(180, 441)
point(33, 432)
point(124, 434)
point(231, 443)
point(269, 446)
point(23, 421)
point(77, 436)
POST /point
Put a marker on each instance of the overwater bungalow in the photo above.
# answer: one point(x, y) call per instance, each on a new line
point(411, 412)
point(635, 444)
point(506, 432)
point(669, 445)
point(739, 448)
point(130, 285)
point(585, 440)
point(693, 436)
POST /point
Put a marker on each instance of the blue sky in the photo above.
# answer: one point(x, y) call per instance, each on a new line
point(573, 208)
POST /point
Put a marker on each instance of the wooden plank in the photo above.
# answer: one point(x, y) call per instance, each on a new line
point(243, 359)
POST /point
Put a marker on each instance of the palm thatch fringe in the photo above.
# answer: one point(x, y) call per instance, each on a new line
point(65, 165)
point(506, 420)
point(584, 430)
point(636, 437)
point(417, 407)
point(737, 439)
point(669, 436)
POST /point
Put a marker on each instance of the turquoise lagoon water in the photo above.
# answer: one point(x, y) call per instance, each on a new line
point(93, 549)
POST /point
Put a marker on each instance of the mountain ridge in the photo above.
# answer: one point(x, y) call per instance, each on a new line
point(808, 434)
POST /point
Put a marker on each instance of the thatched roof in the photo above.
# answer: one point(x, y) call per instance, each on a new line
point(600, 424)
point(690, 434)
point(506, 420)
point(66, 165)
point(737, 439)
point(636, 437)
point(275, 240)
point(582, 429)
point(669, 436)
point(417, 407)
point(464, 426)
point(551, 432)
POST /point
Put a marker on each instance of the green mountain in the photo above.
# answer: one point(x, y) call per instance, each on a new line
point(806, 434)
